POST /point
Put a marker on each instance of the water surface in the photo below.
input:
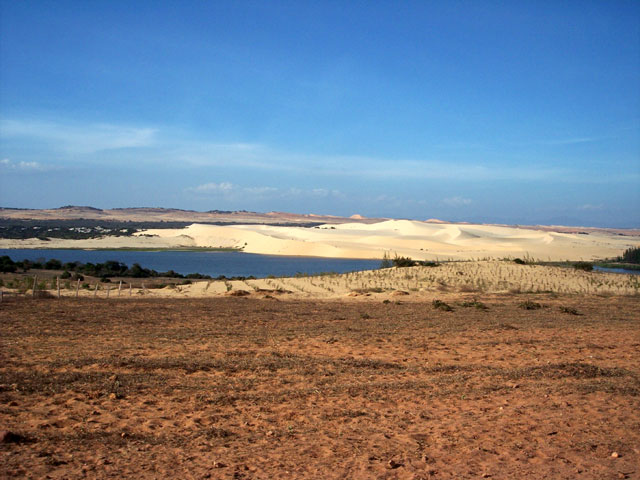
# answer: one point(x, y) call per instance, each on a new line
point(229, 264)
point(616, 270)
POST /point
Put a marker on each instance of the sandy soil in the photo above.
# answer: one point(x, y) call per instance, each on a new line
point(418, 240)
point(263, 388)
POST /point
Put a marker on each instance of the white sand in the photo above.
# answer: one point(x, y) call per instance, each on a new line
point(419, 240)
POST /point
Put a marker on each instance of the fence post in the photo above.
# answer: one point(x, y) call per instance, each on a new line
point(119, 288)
point(77, 288)
point(35, 284)
point(130, 289)
point(58, 285)
point(108, 290)
point(95, 291)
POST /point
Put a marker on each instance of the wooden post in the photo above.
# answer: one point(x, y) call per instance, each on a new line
point(119, 288)
point(130, 289)
point(77, 288)
point(95, 291)
point(108, 290)
point(143, 289)
point(35, 284)
point(58, 285)
point(1, 294)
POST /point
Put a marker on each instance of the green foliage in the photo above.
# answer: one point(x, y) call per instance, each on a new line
point(386, 261)
point(631, 255)
point(53, 264)
point(106, 270)
point(7, 265)
point(586, 266)
point(402, 262)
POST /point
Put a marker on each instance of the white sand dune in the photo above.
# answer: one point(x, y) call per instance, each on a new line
point(419, 240)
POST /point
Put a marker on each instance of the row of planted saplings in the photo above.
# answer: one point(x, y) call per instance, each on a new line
point(36, 291)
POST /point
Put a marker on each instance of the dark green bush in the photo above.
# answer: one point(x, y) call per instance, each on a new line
point(586, 266)
point(631, 255)
point(7, 265)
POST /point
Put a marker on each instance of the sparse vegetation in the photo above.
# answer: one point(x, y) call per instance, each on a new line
point(530, 305)
point(422, 387)
point(474, 304)
point(440, 305)
point(569, 310)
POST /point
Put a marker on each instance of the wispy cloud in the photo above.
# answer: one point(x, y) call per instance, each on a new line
point(590, 207)
point(229, 190)
point(76, 138)
point(7, 164)
point(148, 146)
point(223, 187)
point(456, 201)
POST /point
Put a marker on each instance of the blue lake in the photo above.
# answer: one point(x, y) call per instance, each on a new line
point(229, 264)
point(616, 270)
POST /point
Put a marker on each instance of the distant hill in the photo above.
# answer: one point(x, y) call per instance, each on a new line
point(156, 214)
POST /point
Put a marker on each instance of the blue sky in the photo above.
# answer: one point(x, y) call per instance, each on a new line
point(514, 112)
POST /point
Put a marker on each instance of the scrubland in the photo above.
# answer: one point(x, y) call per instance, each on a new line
point(416, 283)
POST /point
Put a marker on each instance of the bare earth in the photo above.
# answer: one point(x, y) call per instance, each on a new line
point(262, 388)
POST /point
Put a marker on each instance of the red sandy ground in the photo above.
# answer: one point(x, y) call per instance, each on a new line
point(259, 389)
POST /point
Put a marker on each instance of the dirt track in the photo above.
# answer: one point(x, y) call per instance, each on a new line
point(248, 388)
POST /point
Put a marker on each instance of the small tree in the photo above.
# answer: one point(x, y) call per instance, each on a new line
point(386, 261)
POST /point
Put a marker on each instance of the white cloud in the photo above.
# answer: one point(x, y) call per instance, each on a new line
point(590, 207)
point(7, 164)
point(456, 201)
point(223, 187)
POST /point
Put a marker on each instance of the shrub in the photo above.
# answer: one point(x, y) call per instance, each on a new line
point(440, 305)
point(569, 310)
point(476, 304)
point(386, 261)
point(7, 265)
point(403, 262)
point(586, 266)
point(53, 264)
point(530, 305)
